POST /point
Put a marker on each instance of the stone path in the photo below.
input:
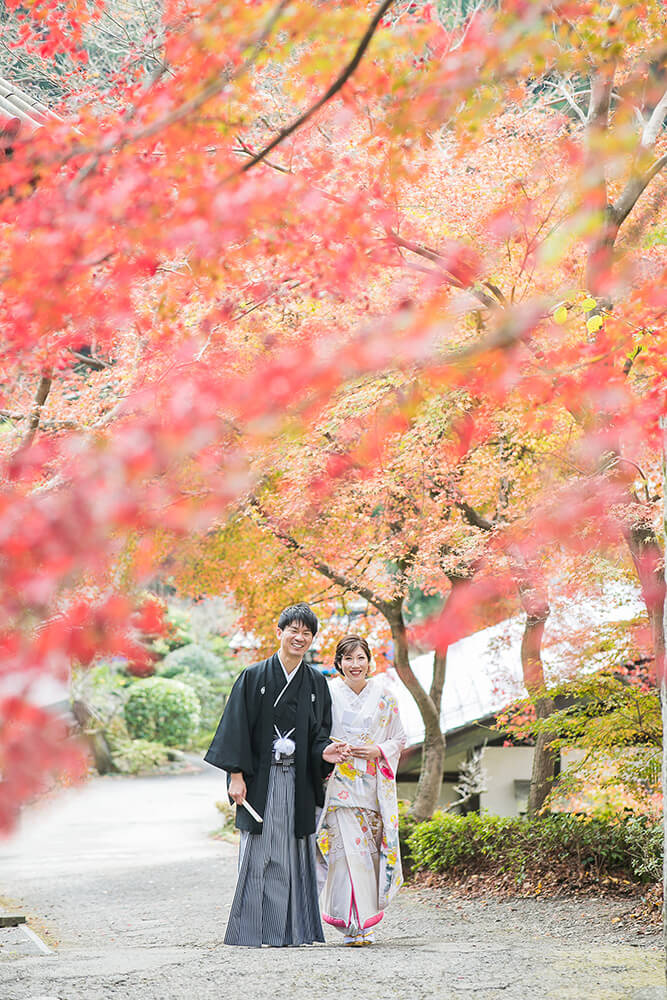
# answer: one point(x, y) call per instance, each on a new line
point(124, 884)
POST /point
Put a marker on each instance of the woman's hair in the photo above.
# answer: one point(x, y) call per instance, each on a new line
point(301, 614)
point(348, 645)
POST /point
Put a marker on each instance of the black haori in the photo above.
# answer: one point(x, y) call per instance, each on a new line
point(244, 738)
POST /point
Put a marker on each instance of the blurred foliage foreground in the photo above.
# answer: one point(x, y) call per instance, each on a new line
point(144, 722)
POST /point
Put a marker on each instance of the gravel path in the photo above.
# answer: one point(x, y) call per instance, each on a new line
point(124, 883)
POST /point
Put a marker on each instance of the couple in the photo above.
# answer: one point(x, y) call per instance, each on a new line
point(283, 732)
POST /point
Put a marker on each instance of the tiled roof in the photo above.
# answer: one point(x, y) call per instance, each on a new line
point(15, 103)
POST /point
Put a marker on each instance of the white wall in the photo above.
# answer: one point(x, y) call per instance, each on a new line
point(504, 765)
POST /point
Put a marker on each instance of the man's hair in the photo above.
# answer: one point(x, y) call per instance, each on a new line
point(348, 645)
point(301, 613)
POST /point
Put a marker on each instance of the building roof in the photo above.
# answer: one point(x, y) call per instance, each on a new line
point(484, 670)
point(16, 104)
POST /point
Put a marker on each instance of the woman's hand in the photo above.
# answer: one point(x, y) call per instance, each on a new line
point(366, 752)
point(336, 753)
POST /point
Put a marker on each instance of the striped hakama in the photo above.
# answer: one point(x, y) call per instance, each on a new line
point(275, 902)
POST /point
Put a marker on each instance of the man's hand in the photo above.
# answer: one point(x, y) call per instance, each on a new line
point(335, 753)
point(368, 752)
point(237, 790)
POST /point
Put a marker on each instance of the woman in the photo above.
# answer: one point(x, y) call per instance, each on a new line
point(357, 833)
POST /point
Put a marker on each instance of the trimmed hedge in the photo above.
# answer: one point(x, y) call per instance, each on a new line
point(461, 845)
point(162, 710)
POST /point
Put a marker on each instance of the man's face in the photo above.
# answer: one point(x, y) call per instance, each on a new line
point(295, 639)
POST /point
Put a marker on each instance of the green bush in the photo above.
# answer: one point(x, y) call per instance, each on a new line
point(162, 710)
point(192, 659)
point(629, 846)
point(135, 756)
point(211, 698)
point(407, 824)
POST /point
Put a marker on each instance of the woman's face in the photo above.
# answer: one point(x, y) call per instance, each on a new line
point(355, 666)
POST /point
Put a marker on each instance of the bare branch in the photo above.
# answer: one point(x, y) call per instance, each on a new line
point(49, 425)
point(569, 97)
point(438, 259)
point(98, 364)
point(245, 150)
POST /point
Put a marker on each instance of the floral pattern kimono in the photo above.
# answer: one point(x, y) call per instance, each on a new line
point(357, 834)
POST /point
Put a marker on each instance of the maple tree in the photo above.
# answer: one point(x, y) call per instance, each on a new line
point(198, 257)
point(388, 528)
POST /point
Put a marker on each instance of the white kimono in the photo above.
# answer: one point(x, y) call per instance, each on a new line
point(357, 834)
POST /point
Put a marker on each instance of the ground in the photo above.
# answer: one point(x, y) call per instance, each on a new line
point(124, 883)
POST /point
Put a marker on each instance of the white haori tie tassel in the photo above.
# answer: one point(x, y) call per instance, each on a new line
point(283, 745)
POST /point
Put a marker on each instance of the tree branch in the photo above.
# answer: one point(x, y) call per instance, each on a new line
point(98, 364)
point(656, 121)
point(40, 398)
point(565, 93)
point(346, 582)
point(472, 516)
point(438, 259)
point(183, 111)
point(633, 190)
point(337, 85)
point(50, 425)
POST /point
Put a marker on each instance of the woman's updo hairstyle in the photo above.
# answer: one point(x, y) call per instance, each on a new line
point(348, 645)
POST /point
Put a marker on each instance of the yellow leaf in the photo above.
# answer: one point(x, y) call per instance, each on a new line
point(594, 323)
point(588, 304)
point(560, 315)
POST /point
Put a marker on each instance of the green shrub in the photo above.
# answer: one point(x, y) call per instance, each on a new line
point(162, 710)
point(219, 644)
point(407, 824)
point(192, 659)
point(631, 846)
point(211, 698)
point(135, 756)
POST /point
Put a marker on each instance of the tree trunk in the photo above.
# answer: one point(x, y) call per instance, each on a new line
point(433, 756)
point(536, 605)
point(647, 556)
point(95, 738)
point(545, 761)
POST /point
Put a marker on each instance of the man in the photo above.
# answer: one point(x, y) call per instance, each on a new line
point(273, 742)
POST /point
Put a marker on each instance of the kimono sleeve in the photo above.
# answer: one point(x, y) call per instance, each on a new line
point(231, 747)
point(394, 740)
point(321, 735)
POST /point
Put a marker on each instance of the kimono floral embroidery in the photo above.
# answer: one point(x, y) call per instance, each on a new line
point(323, 842)
point(346, 769)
